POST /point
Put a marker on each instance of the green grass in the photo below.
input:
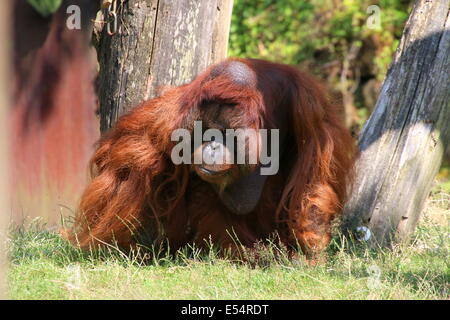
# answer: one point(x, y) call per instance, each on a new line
point(44, 266)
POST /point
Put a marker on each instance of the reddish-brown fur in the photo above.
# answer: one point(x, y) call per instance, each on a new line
point(137, 189)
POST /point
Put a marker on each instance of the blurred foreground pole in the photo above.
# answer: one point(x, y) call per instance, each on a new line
point(5, 76)
point(403, 142)
point(155, 43)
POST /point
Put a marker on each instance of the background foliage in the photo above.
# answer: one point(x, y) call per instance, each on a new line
point(45, 7)
point(329, 38)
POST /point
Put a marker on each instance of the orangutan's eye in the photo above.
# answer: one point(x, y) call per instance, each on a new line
point(228, 105)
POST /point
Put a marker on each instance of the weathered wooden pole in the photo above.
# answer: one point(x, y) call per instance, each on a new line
point(5, 104)
point(157, 43)
point(403, 141)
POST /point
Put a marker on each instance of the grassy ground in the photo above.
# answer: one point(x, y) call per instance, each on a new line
point(43, 266)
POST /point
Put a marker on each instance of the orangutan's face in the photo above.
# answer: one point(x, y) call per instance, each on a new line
point(222, 124)
point(228, 154)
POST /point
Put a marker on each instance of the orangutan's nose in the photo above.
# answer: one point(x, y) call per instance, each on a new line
point(213, 153)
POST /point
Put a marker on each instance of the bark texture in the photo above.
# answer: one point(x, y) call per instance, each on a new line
point(403, 142)
point(157, 43)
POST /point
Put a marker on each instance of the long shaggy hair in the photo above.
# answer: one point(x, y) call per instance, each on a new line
point(137, 189)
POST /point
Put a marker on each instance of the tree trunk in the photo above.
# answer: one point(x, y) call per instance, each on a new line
point(403, 141)
point(158, 42)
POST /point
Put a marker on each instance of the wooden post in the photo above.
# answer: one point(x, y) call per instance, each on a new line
point(5, 105)
point(403, 142)
point(221, 34)
point(157, 43)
